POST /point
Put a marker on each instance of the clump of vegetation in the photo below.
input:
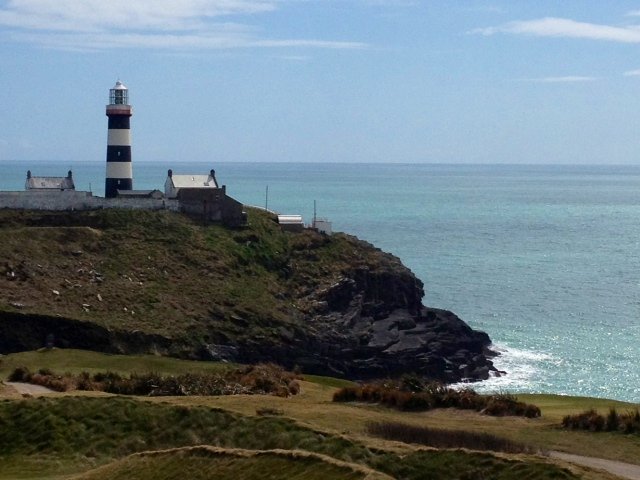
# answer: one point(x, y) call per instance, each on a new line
point(269, 412)
point(411, 393)
point(591, 420)
point(440, 438)
point(261, 379)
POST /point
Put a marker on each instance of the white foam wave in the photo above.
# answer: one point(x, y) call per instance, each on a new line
point(522, 366)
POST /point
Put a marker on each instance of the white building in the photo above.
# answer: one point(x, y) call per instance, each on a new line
point(49, 183)
point(174, 183)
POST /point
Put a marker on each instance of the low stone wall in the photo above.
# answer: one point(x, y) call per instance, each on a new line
point(76, 200)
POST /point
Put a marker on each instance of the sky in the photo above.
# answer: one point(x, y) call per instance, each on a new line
point(508, 81)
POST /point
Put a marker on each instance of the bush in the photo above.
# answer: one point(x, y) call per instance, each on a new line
point(439, 438)
point(612, 422)
point(591, 420)
point(410, 393)
point(267, 379)
point(269, 412)
point(504, 404)
point(20, 374)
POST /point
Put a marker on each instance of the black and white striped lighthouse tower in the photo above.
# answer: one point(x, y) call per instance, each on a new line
point(119, 172)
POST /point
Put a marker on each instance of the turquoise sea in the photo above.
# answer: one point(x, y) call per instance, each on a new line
point(546, 259)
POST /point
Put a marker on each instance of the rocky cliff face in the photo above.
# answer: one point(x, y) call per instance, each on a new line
point(371, 323)
point(138, 282)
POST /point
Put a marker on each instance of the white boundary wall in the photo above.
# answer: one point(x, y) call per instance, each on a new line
point(75, 200)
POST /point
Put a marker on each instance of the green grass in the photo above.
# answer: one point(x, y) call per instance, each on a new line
point(99, 429)
point(328, 381)
point(455, 465)
point(81, 432)
point(204, 464)
point(557, 406)
point(76, 361)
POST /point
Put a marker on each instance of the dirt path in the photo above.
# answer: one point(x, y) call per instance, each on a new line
point(621, 469)
point(29, 388)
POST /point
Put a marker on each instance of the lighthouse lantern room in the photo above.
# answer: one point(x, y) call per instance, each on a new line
point(119, 172)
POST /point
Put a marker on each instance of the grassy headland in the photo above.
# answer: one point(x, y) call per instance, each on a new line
point(154, 271)
point(159, 282)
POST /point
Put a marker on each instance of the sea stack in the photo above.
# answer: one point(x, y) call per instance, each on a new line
point(119, 171)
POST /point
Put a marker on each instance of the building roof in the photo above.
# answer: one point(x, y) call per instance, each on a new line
point(290, 219)
point(193, 181)
point(50, 183)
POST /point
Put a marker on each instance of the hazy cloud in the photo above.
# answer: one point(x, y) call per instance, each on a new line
point(391, 3)
point(562, 27)
point(483, 9)
point(564, 79)
point(94, 15)
point(632, 73)
point(100, 24)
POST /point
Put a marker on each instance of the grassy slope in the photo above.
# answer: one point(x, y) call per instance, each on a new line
point(80, 431)
point(140, 257)
point(162, 273)
point(201, 463)
point(311, 409)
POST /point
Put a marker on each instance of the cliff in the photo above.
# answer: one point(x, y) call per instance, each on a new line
point(140, 281)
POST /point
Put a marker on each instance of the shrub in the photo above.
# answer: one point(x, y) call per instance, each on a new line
point(612, 422)
point(294, 387)
point(439, 438)
point(630, 421)
point(269, 412)
point(588, 420)
point(256, 379)
point(346, 394)
point(84, 382)
point(43, 377)
point(20, 374)
point(503, 404)
point(410, 394)
point(591, 420)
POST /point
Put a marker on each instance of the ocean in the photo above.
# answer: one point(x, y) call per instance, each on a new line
point(545, 259)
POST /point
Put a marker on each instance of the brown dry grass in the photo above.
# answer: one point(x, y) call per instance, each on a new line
point(7, 391)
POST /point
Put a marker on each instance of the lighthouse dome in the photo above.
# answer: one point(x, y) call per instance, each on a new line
point(119, 94)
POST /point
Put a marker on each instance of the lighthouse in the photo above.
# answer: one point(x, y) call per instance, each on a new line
point(119, 172)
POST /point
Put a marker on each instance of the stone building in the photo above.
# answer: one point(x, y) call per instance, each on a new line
point(201, 197)
point(175, 183)
point(49, 183)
